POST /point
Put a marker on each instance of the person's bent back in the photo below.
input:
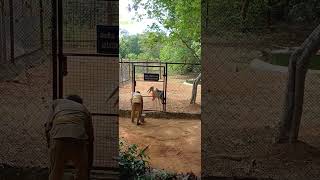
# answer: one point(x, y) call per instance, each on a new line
point(69, 133)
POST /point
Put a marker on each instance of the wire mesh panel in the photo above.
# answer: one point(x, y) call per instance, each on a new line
point(244, 83)
point(124, 72)
point(26, 85)
point(180, 88)
point(80, 20)
point(91, 75)
point(144, 85)
point(22, 27)
point(180, 78)
point(94, 79)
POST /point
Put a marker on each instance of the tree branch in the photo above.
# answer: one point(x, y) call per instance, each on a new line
point(190, 48)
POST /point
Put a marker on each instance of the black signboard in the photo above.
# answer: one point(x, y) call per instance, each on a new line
point(107, 39)
point(151, 77)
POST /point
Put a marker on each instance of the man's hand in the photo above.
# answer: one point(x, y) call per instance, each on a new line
point(47, 134)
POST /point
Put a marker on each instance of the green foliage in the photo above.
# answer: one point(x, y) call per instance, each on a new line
point(228, 15)
point(129, 45)
point(133, 162)
point(175, 38)
point(134, 165)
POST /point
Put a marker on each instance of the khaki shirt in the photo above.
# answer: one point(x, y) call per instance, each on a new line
point(136, 98)
point(69, 119)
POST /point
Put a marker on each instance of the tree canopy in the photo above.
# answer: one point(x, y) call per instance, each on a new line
point(174, 38)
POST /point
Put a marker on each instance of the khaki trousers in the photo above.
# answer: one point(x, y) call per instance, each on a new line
point(62, 150)
point(136, 107)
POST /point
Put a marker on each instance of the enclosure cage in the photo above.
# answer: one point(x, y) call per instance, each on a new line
point(49, 49)
point(22, 28)
point(84, 70)
point(168, 77)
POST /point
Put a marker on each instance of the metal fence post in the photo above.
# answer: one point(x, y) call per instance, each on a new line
point(60, 47)
point(166, 85)
point(41, 24)
point(54, 50)
point(11, 31)
point(3, 48)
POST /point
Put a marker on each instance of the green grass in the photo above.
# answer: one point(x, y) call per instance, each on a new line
point(283, 60)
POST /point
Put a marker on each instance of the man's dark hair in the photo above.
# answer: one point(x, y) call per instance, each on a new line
point(75, 98)
point(138, 92)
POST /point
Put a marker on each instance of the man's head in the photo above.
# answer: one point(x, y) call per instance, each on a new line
point(75, 98)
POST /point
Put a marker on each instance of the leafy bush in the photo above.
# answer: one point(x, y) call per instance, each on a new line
point(133, 162)
point(134, 165)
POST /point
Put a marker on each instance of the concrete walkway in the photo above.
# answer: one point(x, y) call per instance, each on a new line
point(258, 64)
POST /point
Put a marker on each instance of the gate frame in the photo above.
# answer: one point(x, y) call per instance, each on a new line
point(164, 81)
point(59, 62)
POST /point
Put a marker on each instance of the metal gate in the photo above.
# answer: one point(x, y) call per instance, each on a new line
point(85, 67)
point(159, 71)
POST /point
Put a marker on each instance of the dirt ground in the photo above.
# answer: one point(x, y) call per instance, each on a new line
point(174, 145)
point(241, 111)
point(178, 95)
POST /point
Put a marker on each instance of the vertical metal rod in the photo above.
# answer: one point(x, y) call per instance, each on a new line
point(41, 24)
point(207, 14)
point(134, 78)
point(60, 47)
point(166, 86)
point(11, 31)
point(160, 70)
point(54, 49)
point(3, 41)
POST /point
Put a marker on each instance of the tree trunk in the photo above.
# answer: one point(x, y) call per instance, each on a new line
point(244, 9)
point(244, 12)
point(289, 103)
point(195, 89)
point(293, 107)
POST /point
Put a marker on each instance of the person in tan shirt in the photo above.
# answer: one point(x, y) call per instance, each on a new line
point(136, 106)
point(69, 134)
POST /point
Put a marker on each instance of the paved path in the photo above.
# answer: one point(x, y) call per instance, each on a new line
point(264, 66)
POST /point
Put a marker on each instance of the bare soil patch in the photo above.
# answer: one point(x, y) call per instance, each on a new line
point(174, 145)
point(178, 94)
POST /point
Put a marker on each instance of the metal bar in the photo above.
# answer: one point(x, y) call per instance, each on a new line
point(96, 168)
point(3, 45)
point(27, 54)
point(134, 78)
point(104, 114)
point(60, 47)
point(54, 49)
point(150, 110)
point(41, 24)
point(90, 55)
point(160, 70)
point(11, 32)
point(150, 81)
point(147, 66)
point(141, 62)
point(166, 86)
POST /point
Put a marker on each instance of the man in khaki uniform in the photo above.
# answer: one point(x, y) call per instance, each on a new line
point(136, 106)
point(69, 133)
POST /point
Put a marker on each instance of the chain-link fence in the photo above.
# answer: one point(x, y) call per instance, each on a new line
point(244, 81)
point(22, 32)
point(92, 75)
point(28, 82)
point(25, 81)
point(177, 85)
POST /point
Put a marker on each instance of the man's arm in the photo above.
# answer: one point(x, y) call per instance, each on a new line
point(48, 124)
point(90, 132)
point(141, 103)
